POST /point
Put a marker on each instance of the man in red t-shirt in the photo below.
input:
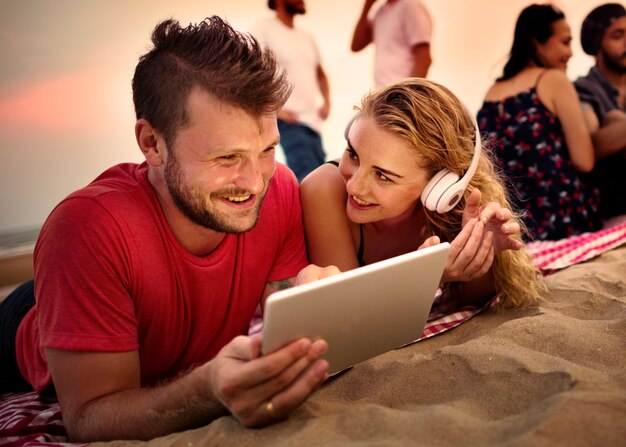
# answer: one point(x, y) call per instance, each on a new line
point(146, 279)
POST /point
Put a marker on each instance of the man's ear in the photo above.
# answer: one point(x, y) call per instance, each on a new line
point(150, 142)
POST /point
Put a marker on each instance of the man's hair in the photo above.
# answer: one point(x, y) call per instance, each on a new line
point(271, 4)
point(229, 65)
point(534, 25)
point(596, 23)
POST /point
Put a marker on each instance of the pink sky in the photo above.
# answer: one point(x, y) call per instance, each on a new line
point(59, 104)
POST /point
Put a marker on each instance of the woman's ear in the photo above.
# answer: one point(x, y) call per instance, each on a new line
point(150, 142)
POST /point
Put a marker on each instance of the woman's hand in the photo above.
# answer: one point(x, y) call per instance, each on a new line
point(471, 253)
point(486, 230)
point(497, 220)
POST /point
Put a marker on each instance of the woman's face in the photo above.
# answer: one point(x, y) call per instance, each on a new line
point(382, 173)
point(557, 50)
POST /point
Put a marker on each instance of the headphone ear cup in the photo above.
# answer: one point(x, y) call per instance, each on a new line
point(450, 198)
point(437, 188)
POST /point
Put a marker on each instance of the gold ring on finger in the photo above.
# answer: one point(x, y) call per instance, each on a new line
point(270, 408)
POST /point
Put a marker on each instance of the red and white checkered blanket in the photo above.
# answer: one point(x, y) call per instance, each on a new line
point(555, 255)
point(439, 322)
point(27, 419)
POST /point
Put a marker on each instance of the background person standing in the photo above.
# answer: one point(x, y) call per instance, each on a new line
point(300, 120)
point(401, 32)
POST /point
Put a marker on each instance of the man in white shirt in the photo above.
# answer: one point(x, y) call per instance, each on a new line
point(300, 120)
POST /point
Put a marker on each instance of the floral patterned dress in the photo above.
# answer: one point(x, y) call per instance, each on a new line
point(529, 146)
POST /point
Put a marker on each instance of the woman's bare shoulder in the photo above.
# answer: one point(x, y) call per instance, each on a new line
point(554, 86)
point(324, 180)
point(554, 77)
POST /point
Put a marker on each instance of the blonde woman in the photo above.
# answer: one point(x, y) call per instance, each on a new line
point(368, 206)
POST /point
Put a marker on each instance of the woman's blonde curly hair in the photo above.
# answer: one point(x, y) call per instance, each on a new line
point(441, 129)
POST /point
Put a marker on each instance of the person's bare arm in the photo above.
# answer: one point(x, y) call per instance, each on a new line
point(326, 226)
point(560, 94)
point(421, 53)
point(324, 85)
point(362, 35)
point(591, 119)
point(288, 116)
point(102, 399)
point(487, 229)
point(308, 274)
point(610, 138)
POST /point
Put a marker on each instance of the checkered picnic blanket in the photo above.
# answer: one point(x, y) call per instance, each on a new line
point(439, 322)
point(550, 256)
point(27, 419)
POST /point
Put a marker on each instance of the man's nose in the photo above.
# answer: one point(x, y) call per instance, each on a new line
point(250, 176)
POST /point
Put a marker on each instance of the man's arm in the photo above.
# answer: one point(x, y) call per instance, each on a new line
point(275, 286)
point(422, 60)
point(101, 397)
point(310, 273)
point(362, 35)
point(324, 85)
point(609, 138)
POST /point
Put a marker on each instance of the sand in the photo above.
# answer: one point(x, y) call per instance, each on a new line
point(550, 375)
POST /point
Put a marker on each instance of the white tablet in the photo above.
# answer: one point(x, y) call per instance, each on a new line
point(360, 313)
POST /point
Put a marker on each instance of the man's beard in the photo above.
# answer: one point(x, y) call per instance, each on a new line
point(294, 9)
point(613, 64)
point(194, 206)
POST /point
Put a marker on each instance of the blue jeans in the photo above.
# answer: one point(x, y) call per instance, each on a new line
point(302, 147)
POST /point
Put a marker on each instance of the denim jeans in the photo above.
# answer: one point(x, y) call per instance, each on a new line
point(302, 147)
